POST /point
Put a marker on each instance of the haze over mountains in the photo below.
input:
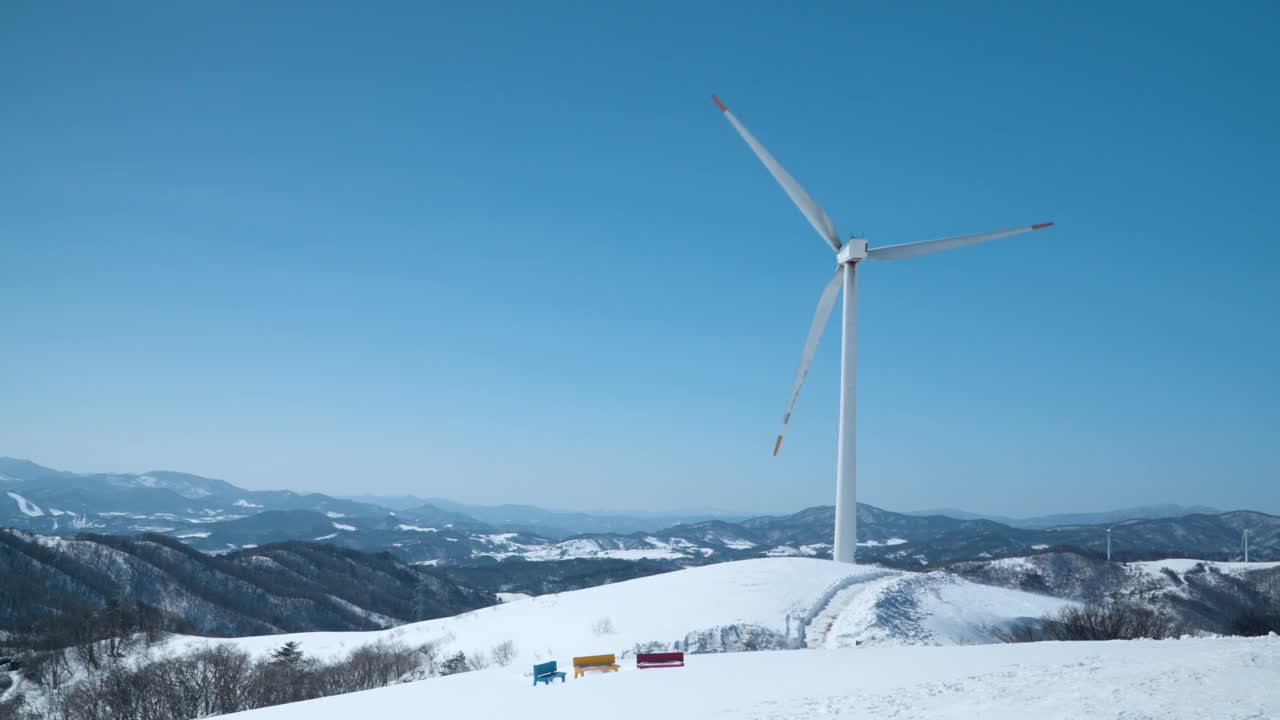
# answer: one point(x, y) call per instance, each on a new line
point(1142, 512)
point(216, 516)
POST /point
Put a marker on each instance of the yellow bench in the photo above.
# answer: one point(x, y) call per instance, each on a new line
point(581, 665)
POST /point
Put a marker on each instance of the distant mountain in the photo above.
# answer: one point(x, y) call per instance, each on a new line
point(391, 502)
point(561, 524)
point(1206, 596)
point(929, 540)
point(1144, 512)
point(41, 499)
point(217, 517)
point(271, 589)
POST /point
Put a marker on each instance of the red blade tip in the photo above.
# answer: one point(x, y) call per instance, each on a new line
point(776, 446)
point(719, 104)
point(1041, 225)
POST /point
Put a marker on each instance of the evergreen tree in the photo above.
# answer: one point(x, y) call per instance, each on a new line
point(455, 664)
point(287, 654)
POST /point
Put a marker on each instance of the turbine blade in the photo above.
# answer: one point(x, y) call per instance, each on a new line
point(820, 316)
point(814, 213)
point(906, 250)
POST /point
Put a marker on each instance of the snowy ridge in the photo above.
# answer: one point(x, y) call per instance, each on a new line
point(1182, 566)
point(770, 603)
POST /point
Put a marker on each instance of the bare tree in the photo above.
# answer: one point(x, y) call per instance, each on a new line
point(377, 664)
point(1019, 632)
point(478, 660)
point(214, 679)
point(1110, 620)
point(602, 626)
point(16, 708)
point(504, 653)
point(222, 679)
point(49, 668)
point(428, 659)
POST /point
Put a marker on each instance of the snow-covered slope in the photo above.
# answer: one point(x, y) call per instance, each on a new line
point(1201, 595)
point(927, 609)
point(769, 603)
point(1182, 566)
point(1223, 678)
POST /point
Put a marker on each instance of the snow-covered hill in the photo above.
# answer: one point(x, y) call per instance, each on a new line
point(1204, 596)
point(1222, 678)
point(865, 642)
point(771, 603)
point(288, 587)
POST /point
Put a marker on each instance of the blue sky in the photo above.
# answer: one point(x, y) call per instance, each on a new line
point(510, 252)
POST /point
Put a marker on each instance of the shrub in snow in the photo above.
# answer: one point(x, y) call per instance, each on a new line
point(653, 646)
point(214, 680)
point(376, 665)
point(504, 653)
point(49, 669)
point(15, 708)
point(428, 660)
point(454, 664)
point(1019, 632)
point(734, 638)
point(1253, 623)
point(1111, 620)
point(478, 660)
point(602, 626)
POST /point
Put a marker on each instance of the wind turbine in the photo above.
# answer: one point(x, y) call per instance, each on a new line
point(848, 255)
point(1108, 544)
point(1246, 544)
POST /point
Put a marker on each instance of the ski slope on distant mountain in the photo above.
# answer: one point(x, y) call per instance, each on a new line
point(1221, 678)
point(27, 507)
point(762, 604)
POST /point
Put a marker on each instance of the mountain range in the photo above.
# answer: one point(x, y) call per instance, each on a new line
point(215, 517)
point(1039, 522)
point(281, 588)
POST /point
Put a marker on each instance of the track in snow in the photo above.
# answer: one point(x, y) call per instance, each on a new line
point(854, 598)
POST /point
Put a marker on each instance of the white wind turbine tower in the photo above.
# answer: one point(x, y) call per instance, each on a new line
point(848, 255)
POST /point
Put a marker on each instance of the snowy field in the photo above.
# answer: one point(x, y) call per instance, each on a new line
point(769, 603)
point(863, 642)
point(1218, 679)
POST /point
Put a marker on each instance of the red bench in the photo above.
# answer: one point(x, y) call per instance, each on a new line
point(658, 660)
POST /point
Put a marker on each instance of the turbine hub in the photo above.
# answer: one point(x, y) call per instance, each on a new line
point(852, 251)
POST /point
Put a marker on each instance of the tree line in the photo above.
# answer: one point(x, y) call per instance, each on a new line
point(110, 664)
point(1113, 618)
point(222, 678)
point(285, 587)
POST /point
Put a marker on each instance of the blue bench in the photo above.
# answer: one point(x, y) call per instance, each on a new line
point(546, 672)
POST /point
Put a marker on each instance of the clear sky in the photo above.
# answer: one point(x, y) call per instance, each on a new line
point(510, 252)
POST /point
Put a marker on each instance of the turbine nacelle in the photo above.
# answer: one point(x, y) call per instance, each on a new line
point(852, 251)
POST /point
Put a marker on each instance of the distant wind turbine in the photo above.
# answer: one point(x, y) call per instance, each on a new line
point(1246, 544)
point(848, 255)
point(1108, 544)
